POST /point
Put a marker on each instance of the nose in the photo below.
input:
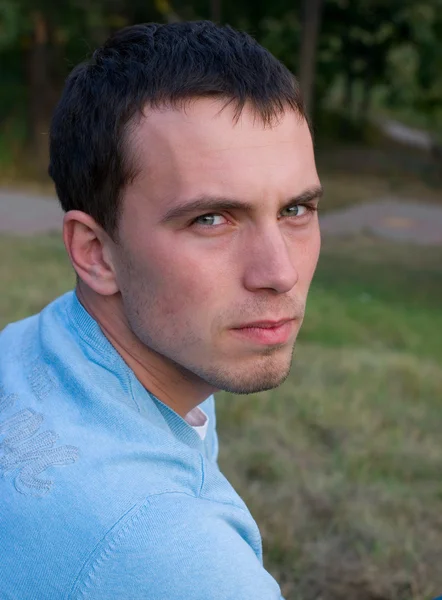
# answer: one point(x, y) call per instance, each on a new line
point(270, 262)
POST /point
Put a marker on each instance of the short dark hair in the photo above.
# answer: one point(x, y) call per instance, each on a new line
point(152, 65)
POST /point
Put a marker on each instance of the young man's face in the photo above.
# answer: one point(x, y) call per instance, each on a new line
point(192, 280)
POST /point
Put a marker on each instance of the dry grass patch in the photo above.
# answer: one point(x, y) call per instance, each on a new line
point(341, 468)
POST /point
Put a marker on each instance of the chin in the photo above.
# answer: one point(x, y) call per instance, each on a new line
point(250, 380)
point(253, 387)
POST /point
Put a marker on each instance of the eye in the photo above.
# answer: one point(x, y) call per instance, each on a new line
point(209, 220)
point(297, 210)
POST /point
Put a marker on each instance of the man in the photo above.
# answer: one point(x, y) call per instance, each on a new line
point(184, 162)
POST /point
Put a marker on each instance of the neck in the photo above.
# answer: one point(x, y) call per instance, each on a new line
point(180, 390)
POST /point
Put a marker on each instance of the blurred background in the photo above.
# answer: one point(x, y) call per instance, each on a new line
point(342, 465)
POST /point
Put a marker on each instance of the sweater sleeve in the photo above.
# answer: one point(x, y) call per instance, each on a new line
point(174, 547)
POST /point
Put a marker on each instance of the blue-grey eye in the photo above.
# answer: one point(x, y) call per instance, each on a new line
point(296, 210)
point(207, 219)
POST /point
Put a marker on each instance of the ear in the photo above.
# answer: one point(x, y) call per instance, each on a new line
point(88, 246)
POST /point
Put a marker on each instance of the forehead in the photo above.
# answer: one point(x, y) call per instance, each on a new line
point(202, 150)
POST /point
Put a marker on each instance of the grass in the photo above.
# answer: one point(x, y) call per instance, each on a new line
point(342, 465)
point(33, 271)
point(345, 188)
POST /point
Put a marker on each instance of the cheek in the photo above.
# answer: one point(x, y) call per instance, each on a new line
point(315, 249)
point(307, 257)
point(175, 284)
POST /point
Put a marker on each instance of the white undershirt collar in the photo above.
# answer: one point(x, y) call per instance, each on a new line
point(198, 419)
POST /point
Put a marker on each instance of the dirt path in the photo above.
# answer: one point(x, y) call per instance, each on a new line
point(22, 213)
point(391, 218)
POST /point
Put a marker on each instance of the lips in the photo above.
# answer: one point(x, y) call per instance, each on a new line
point(266, 332)
point(265, 324)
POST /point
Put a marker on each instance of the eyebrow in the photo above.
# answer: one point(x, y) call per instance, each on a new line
point(210, 204)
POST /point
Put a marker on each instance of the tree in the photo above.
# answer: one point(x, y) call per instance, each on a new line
point(215, 10)
point(311, 18)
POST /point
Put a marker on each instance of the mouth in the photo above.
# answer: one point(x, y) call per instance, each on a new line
point(266, 332)
point(265, 324)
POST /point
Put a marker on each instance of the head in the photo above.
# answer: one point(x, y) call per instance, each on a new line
point(184, 161)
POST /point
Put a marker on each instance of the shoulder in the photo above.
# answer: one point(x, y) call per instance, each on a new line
point(26, 351)
point(12, 339)
point(178, 546)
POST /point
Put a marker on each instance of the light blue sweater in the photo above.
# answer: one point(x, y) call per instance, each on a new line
point(106, 493)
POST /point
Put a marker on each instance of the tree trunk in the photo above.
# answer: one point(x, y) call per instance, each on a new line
point(367, 92)
point(349, 93)
point(40, 89)
point(311, 18)
point(215, 10)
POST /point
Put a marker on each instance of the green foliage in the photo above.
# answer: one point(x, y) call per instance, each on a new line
point(281, 37)
point(374, 57)
point(9, 23)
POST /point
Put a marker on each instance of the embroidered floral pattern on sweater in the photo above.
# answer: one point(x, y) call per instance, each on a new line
point(28, 453)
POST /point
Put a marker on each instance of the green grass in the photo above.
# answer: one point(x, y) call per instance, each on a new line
point(372, 294)
point(33, 271)
point(342, 465)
